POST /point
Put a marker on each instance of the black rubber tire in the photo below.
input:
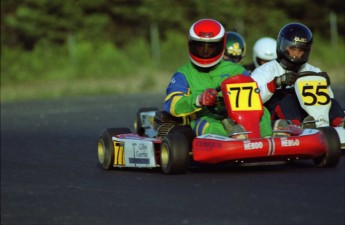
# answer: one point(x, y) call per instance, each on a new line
point(333, 154)
point(137, 123)
point(174, 156)
point(105, 147)
point(187, 131)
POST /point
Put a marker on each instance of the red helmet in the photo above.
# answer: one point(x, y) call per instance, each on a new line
point(206, 42)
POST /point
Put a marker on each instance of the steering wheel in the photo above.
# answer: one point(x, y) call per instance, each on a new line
point(308, 73)
point(312, 73)
point(219, 107)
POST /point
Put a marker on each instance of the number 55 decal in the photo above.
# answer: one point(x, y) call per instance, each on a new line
point(314, 93)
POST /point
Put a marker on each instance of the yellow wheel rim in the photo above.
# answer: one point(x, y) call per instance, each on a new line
point(164, 155)
point(135, 125)
point(101, 151)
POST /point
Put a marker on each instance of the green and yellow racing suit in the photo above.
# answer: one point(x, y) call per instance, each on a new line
point(188, 83)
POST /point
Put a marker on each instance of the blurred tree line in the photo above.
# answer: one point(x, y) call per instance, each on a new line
point(140, 42)
point(24, 23)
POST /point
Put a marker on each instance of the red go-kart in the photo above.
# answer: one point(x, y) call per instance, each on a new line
point(161, 140)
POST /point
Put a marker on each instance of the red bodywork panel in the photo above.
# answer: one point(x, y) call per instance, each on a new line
point(206, 149)
point(243, 102)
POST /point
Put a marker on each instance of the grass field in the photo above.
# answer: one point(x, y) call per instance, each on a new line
point(43, 89)
point(56, 73)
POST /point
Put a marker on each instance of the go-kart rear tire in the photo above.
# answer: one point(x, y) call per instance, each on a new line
point(137, 123)
point(333, 148)
point(105, 148)
point(186, 131)
point(174, 156)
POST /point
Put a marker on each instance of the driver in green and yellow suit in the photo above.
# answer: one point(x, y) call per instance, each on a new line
point(192, 87)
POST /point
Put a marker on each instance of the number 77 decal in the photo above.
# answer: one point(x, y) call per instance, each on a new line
point(244, 97)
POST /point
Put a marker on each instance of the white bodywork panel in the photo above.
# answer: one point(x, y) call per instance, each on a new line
point(134, 153)
point(312, 92)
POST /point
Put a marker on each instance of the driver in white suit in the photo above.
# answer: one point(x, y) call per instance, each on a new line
point(277, 77)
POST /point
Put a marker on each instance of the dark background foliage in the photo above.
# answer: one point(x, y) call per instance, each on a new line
point(56, 48)
point(26, 22)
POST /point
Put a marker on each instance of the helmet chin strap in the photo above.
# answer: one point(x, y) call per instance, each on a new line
point(288, 65)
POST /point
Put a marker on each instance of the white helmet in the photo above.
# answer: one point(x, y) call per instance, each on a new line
point(265, 49)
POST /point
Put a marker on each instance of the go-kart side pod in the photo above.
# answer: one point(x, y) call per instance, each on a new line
point(174, 155)
point(322, 146)
point(333, 148)
point(106, 146)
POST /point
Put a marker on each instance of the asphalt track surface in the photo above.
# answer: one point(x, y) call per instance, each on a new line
point(50, 175)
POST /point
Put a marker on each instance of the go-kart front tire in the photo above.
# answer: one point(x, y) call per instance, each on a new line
point(174, 156)
point(105, 146)
point(333, 148)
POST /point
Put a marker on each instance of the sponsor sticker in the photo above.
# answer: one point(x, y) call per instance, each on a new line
point(139, 160)
point(289, 142)
point(141, 154)
point(253, 145)
point(207, 145)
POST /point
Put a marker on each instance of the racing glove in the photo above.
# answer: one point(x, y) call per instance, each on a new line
point(288, 78)
point(207, 98)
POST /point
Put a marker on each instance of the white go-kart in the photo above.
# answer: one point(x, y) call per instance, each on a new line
point(314, 95)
